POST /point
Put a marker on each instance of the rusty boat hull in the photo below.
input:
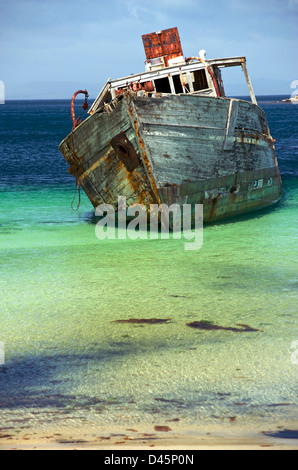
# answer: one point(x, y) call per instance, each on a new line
point(186, 148)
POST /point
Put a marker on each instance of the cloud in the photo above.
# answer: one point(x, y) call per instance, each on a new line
point(255, 7)
point(293, 4)
point(133, 10)
point(140, 12)
point(159, 10)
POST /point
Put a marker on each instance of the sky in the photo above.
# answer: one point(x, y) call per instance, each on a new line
point(51, 48)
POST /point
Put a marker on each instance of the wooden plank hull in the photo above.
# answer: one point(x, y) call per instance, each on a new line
point(184, 149)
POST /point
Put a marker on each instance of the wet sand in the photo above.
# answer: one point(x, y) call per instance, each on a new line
point(155, 439)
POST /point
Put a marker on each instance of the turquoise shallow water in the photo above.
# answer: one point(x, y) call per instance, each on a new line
point(69, 363)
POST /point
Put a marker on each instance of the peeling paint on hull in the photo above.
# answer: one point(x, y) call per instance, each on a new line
point(184, 149)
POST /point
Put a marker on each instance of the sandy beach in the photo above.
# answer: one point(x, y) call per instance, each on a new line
point(162, 439)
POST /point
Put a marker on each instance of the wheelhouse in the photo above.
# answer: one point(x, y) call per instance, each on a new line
point(168, 72)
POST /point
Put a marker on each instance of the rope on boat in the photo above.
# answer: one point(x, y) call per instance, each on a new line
point(78, 189)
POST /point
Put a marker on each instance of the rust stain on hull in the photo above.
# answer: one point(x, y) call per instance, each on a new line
point(145, 158)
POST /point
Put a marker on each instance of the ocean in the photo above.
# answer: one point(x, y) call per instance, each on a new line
point(70, 364)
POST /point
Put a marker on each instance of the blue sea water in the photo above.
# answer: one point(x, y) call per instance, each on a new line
point(70, 365)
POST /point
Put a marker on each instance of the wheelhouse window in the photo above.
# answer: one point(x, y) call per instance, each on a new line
point(162, 85)
point(177, 84)
point(200, 80)
point(192, 82)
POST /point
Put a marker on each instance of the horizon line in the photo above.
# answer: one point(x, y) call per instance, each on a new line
point(82, 99)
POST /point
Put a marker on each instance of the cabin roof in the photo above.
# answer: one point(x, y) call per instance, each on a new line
point(186, 67)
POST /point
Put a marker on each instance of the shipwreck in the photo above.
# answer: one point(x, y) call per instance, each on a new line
point(169, 135)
